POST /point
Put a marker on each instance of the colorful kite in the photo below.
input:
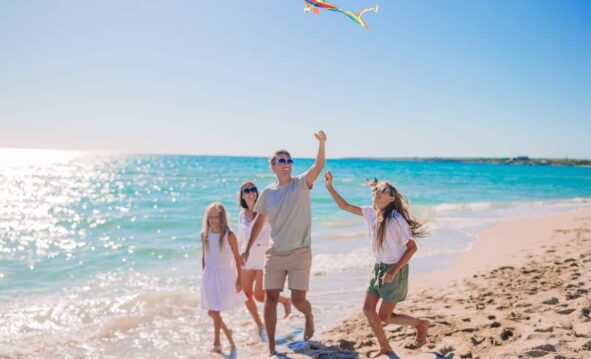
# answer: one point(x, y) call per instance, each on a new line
point(316, 5)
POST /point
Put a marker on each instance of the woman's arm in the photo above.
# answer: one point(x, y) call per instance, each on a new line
point(234, 246)
point(344, 205)
point(411, 249)
point(257, 227)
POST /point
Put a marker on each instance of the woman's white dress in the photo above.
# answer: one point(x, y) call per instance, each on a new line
point(218, 283)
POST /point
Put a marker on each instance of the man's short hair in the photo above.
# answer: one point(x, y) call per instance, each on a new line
point(277, 153)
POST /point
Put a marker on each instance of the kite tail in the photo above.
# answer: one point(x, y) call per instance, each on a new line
point(374, 9)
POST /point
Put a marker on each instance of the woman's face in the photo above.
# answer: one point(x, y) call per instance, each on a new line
point(249, 193)
point(381, 196)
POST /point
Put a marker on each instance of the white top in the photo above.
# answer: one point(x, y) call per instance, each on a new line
point(244, 229)
point(397, 235)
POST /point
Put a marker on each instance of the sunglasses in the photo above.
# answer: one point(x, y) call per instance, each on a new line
point(249, 190)
point(380, 189)
point(283, 161)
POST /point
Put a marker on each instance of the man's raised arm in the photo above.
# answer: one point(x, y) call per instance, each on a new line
point(314, 171)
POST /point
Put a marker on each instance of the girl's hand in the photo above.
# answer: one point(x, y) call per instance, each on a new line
point(388, 277)
point(328, 179)
point(238, 286)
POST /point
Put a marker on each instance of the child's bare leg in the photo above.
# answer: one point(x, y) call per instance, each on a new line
point(227, 332)
point(217, 345)
point(248, 280)
point(369, 309)
point(388, 316)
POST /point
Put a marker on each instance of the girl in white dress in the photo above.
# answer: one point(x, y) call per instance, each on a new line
point(252, 271)
point(391, 229)
point(221, 280)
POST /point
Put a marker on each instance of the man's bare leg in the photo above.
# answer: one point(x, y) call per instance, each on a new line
point(271, 300)
point(298, 298)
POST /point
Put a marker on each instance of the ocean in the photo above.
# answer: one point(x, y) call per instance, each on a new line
point(100, 253)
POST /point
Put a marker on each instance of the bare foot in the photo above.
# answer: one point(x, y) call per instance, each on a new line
point(309, 330)
point(383, 352)
point(217, 348)
point(421, 338)
point(287, 308)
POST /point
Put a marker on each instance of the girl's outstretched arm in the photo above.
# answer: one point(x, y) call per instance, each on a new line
point(234, 247)
point(337, 197)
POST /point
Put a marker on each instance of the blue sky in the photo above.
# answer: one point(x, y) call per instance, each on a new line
point(430, 78)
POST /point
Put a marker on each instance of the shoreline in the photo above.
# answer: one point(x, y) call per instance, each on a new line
point(505, 297)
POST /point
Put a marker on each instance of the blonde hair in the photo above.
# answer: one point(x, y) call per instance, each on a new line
point(401, 205)
point(223, 222)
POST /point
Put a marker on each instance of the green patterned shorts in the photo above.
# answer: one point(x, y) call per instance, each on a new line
point(396, 290)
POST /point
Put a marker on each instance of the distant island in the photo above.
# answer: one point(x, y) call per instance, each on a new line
point(519, 160)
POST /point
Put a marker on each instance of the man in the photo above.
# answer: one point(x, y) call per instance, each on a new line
point(286, 205)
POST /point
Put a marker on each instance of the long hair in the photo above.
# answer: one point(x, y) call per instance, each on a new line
point(401, 205)
point(241, 201)
point(215, 206)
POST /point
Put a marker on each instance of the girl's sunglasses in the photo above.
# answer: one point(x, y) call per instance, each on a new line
point(380, 189)
point(249, 190)
point(283, 161)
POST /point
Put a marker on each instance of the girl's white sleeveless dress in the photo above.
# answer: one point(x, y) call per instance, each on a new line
point(218, 283)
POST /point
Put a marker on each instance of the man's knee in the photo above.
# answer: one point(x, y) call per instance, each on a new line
point(272, 296)
point(298, 298)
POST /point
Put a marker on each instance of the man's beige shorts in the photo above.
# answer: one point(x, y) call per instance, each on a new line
point(295, 265)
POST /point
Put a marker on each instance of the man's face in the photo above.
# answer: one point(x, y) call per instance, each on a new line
point(282, 166)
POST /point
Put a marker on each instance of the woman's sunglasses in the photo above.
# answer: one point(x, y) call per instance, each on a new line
point(283, 161)
point(249, 190)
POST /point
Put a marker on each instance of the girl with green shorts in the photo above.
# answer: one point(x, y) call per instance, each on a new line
point(391, 230)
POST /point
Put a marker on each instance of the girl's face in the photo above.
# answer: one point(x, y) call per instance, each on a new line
point(249, 193)
point(213, 219)
point(381, 196)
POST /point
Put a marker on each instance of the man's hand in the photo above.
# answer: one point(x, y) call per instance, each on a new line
point(320, 136)
point(238, 285)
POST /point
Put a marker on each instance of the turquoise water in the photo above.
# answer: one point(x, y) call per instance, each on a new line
point(70, 216)
point(107, 244)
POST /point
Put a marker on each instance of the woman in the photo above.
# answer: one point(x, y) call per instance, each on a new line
point(252, 271)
